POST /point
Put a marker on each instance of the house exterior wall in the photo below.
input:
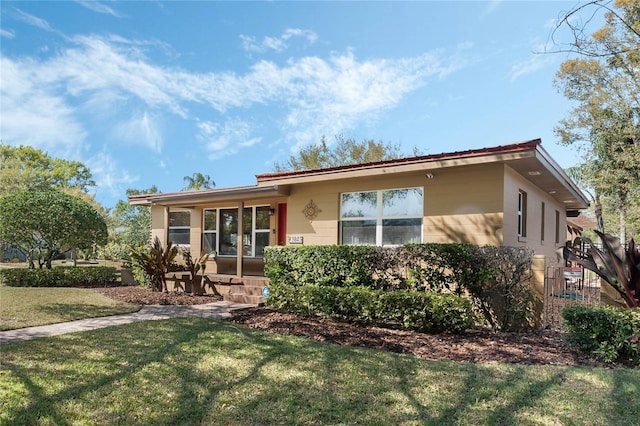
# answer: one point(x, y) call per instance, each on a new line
point(460, 205)
point(545, 249)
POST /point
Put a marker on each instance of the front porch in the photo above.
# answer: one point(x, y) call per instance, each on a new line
point(245, 289)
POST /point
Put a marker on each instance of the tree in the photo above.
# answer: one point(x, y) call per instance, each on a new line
point(606, 119)
point(345, 152)
point(45, 224)
point(131, 225)
point(198, 181)
point(25, 168)
point(621, 20)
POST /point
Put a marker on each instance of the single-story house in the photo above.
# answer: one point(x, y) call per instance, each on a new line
point(512, 195)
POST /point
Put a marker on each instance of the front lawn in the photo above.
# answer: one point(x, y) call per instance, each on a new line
point(30, 306)
point(197, 371)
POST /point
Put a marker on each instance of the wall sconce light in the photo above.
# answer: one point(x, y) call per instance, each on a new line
point(429, 175)
point(272, 211)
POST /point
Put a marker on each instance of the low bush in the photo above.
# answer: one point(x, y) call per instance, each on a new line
point(607, 333)
point(61, 276)
point(426, 312)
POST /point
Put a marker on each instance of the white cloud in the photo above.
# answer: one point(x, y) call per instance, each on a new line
point(223, 139)
point(535, 62)
point(277, 44)
point(98, 7)
point(141, 129)
point(109, 176)
point(34, 114)
point(32, 20)
point(314, 96)
point(6, 33)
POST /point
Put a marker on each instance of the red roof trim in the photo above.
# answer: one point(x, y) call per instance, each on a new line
point(502, 149)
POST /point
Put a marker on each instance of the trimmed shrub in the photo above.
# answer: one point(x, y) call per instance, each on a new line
point(497, 279)
point(607, 333)
point(61, 276)
point(425, 312)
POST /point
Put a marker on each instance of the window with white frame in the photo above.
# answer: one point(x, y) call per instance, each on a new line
point(220, 231)
point(210, 231)
point(180, 227)
point(384, 218)
point(522, 214)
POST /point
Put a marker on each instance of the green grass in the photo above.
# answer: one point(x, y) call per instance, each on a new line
point(31, 306)
point(197, 371)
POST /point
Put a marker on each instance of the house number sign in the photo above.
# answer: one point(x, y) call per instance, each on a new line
point(295, 239)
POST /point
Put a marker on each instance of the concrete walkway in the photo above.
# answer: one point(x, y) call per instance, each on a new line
point(215, 310)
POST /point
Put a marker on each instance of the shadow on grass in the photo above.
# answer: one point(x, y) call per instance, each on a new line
point(197, 371)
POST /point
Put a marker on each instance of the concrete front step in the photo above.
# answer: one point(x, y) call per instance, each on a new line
point(243, 298)
point(244, 294)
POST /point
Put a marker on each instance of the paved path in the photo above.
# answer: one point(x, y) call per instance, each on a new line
point(215, 310)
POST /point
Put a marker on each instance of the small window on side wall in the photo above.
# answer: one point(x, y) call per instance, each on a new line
point(180, 227)
point(522, 214)
point(557, 227)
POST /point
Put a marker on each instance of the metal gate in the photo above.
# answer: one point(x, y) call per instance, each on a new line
point(564, 286)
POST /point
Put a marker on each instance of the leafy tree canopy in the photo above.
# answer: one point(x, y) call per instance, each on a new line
point(131, 225)
point(24, 168)
point(198, 181)
point(344, 152)
point(47, 223)
point(605, 85)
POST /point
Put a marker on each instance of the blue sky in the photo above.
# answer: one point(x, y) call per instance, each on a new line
point(146, 93)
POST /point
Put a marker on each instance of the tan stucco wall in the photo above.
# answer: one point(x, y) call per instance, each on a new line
point(535, 196)
point(157, 223)
point(462, 204)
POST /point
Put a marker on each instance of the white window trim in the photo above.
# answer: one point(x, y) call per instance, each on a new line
point(170, 228)
point(254, 231)
point(379, 218)
point(522, 215)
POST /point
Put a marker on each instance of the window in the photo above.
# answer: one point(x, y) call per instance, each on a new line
point(210, 231)
point(522, 214)
point(179, 227)
point(542, 213)
point(255, 233)
point(557, 227)
point(386, 217)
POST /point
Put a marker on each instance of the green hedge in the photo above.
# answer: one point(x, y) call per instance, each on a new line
point(496, 279)
point(420, 267)
point(61, 276)
point(608, 333)
point(426, 312)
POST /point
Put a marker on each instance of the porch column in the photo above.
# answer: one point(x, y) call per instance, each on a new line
point(166, 225)
point(240, 242)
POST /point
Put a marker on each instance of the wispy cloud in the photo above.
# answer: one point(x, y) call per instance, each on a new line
point(277, 44)
point(226, 138)
point(32, 20)
point(537, 61)
point(109, 175)
point(313, 96)
point(99, 7)
point(491, 7)
point(6, 33)
point(141, 129)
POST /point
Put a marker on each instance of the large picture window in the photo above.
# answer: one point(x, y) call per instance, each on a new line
point(384, 218)
point(179, 227)
point(220, 231)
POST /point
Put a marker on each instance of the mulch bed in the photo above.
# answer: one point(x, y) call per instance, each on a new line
point(479, 346)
